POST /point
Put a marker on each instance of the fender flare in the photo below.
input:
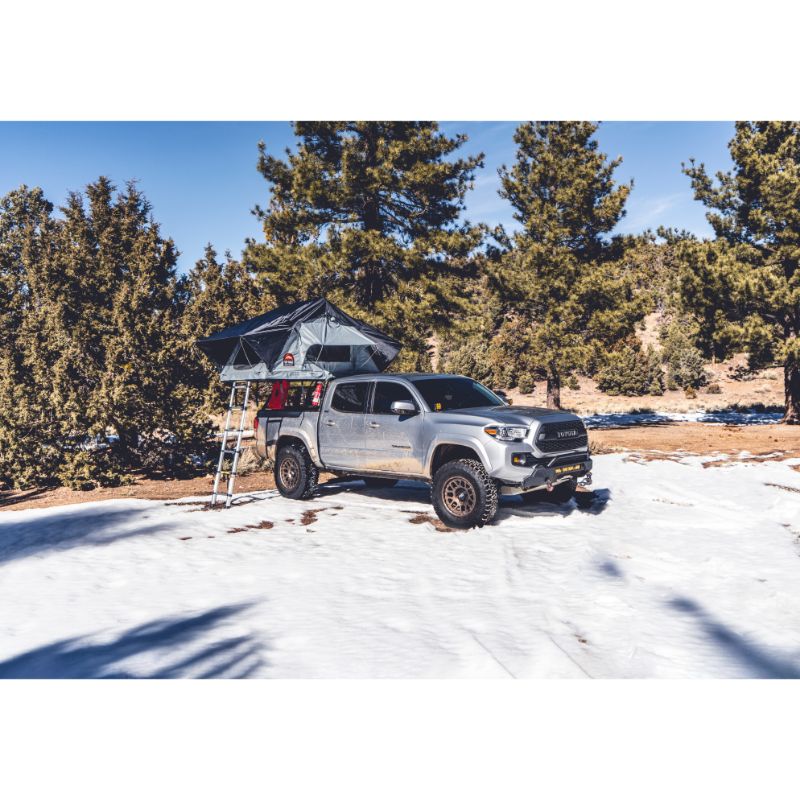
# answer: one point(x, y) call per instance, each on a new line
point(461, 441)
point(299, 436)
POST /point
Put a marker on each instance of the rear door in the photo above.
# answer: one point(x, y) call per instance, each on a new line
point(393, 442)
point(341, 428)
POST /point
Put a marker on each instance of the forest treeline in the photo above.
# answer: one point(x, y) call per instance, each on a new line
point(99, 376)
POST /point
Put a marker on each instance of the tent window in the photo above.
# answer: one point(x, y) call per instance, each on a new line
point(329, 353)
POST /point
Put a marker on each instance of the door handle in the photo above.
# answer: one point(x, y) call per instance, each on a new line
point(374, 424)
point(330, 422)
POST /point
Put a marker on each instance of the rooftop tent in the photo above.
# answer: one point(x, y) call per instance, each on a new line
point(309, 340)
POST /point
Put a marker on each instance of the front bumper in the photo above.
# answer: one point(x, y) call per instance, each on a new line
point(557, 469)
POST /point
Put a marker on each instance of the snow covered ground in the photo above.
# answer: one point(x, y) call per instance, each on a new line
point(616, 420)
point(676, 571)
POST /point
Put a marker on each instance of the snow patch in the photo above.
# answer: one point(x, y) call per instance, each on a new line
point(674, 571)
point(619, 420)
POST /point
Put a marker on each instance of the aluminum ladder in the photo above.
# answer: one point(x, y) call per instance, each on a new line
point(232, 452)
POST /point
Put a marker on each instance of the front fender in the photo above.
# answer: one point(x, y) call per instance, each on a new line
point(462, 440)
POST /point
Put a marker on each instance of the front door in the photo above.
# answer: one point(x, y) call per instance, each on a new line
point(341, 426)
point(393, 443)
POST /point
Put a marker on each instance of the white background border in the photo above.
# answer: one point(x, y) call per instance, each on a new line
point(387, 739)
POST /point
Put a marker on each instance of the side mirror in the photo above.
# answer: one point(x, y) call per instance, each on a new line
point(403, 408)
point(503, 396)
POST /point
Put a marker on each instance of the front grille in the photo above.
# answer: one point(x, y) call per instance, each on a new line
point(549, 441)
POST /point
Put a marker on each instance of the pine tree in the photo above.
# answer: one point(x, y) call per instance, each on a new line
point(468, 345)
point(632, 372)
point(28, 426)
point(96, 377)
point(567, 291)
point(216, 295)
point(368, 213)
point(704, 297)
point(684, 362)
point(750, 278)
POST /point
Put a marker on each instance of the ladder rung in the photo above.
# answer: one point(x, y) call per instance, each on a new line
point(233, 405)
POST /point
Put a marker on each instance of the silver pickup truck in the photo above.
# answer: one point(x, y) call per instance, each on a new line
point(448, 430)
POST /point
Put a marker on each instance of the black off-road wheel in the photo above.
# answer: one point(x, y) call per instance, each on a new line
point(295, 474)
point(380, 483)
point(463, 494)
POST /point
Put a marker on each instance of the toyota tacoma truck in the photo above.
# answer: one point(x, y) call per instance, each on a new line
point(468, 443)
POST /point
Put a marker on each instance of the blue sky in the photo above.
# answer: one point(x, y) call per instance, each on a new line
point(202, 181)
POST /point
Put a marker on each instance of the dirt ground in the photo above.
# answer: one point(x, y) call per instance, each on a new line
point(782, 441)
point(766, 388)
point(648, 441)
point(144, 488)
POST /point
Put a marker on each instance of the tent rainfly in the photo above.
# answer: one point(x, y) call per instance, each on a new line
point(309, 340)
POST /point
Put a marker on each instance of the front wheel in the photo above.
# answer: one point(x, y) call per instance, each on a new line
point(463, 494)
point(295, 474)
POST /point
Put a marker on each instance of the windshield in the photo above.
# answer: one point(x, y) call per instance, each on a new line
point(447, 394)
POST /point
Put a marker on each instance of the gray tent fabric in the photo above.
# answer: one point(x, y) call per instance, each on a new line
point(309, 340)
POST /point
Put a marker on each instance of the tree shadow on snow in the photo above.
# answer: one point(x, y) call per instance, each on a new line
point(83, 657)
point(758, 662)
point(73, 526)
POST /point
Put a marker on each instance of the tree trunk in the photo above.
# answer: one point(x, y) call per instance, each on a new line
point(791, 384)
point(553, 391)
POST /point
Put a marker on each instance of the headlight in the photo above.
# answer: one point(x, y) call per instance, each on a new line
point(506, 434)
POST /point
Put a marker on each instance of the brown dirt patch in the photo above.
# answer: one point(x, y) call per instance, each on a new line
point(264, 525)
point(142, 489)
point(420, 518)
point(671, 440)
point(308, 518)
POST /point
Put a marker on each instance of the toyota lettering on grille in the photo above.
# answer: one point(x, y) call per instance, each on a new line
point(566, 434)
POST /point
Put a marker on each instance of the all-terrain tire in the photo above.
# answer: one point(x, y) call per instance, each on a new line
point(463, 494)
point(562, 493)
point(296, 476)
point(380, 483)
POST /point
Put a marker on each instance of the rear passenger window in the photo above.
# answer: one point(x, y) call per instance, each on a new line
point(386, 393)
point(350, 397)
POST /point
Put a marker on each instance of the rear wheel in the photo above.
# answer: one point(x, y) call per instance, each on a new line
point(295, 474)
point(380, 483)
point(463, 494)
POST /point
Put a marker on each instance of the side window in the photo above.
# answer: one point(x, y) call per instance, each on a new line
point(386, 393)
point(350, 397)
